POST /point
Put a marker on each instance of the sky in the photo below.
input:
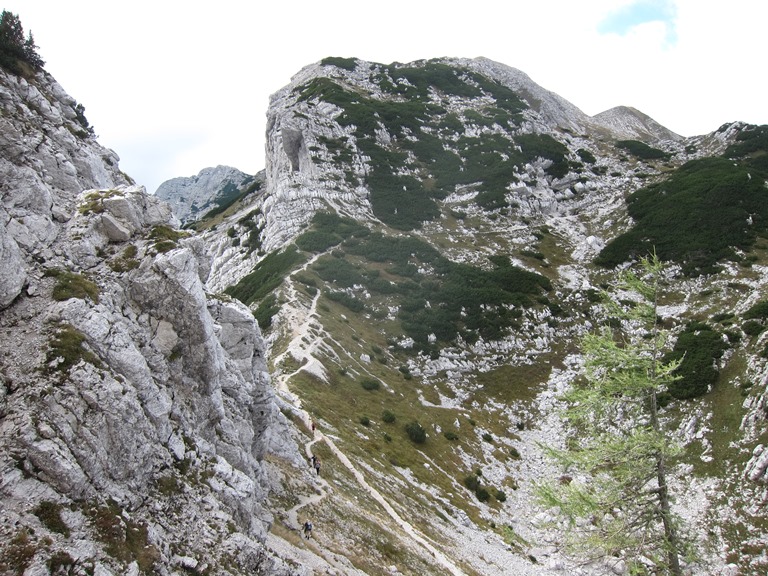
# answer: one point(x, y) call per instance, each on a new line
point(177, 86)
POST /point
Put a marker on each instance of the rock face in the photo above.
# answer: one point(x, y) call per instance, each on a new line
point(124, 386)
point(47, 156)
point(190, 198)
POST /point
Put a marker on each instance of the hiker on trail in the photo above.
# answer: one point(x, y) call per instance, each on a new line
point(317, 466)
point(308, 529)
point(312, 423)
point(312, 460)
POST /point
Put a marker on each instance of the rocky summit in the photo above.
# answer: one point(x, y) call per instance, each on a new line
point(375, 335)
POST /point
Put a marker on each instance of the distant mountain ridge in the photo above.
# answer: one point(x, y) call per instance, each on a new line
point(191, 197)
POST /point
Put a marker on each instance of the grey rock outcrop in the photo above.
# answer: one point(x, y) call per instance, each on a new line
point(127, 392)
point(191, 197)
point(47, 156)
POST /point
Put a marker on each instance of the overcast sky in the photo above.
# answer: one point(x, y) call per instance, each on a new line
point(176, 86)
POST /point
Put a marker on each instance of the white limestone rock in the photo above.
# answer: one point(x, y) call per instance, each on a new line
point(14, 275)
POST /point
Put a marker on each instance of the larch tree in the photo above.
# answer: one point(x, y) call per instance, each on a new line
point(615, 492)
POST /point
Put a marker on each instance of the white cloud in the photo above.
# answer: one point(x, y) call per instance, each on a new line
point(175, 86)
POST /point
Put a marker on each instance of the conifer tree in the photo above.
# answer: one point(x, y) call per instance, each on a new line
point(14, 48)
point(616, 492)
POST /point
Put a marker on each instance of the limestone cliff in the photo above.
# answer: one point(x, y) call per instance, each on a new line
point(136, 409)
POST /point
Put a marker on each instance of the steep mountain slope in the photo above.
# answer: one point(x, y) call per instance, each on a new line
point(139, 430)
point(427, 237)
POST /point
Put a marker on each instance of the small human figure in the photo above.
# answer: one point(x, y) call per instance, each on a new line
point(317, 466)
point(307, 529)
point(312, 423)
point(312, 460)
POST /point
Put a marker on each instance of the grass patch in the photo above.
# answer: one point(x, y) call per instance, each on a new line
point(66, 349)
point(93, 203)
point(49, 514)
point(165, 237)
point(123, 539)
point(72, 285)
point(126, 261)
point(18, 552)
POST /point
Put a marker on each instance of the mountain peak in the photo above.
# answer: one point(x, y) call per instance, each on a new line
point(630, 123)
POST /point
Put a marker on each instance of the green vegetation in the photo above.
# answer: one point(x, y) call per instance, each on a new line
point(751, 147)
point(343, 63)
point(17, 554)
point(230, 195)
point(586, 156)
point(696, 217)
point(404, 191)
point(266, 276)
point(757, 311)
point(622, 446)
point(328, 230)
point(544, 146)
point(16, 51)
point(165, 237)
point(124, 539)
point(482, 493)
point(416, 432)
point(94, 201)
point(454, 300)
point(72, 285)
point(49, 514)
point(267, 308)
point(370, 384)
point(66, 349)
point(642, 150)
point(697, 349)
point(126, 261)
point(61, 563)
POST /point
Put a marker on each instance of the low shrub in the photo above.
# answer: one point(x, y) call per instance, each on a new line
point(759, 310)
point(472, 482)
point(416, 432)
point(698, 347)
point(165, 237)
point(61, 563)
point(482, 494)
point(123, 539)
point(370, 384)
point(642, 150)
point(752, 328)
point(388, 416)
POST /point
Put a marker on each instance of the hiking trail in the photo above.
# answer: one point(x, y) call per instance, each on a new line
point(301, 347)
